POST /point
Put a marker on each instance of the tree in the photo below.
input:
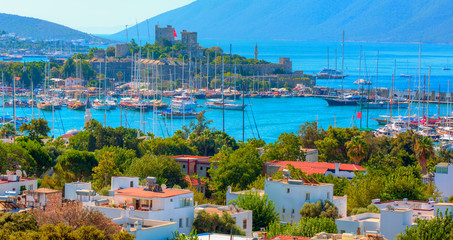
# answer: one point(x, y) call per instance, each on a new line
point(119, 76)
point(38, 153)
point(438, 228)
point(239, 168)
point(110, 51)
point(7, 130)
point(309, 133)
point(104, 171)
point(263, 210)
point(424, 149)
point(319, 209)
point(166, 146)
point(286, 148)
point(357, 149)
point(15, 157)
point(165, 169)
point(75, 165)
point(369, 209)
point(213, 223)
point(306, 227)
point(36, 128)
point(332, 148)
point(122, 157)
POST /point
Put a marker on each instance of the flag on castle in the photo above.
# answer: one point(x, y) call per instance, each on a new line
point(174, 33)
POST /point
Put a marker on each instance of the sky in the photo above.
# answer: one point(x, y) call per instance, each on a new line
point(91, 16)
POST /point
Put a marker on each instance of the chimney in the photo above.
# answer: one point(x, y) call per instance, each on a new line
point(337, 169)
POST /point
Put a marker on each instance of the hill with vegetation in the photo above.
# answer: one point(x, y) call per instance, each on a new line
point(308, 20)
point(38, 29)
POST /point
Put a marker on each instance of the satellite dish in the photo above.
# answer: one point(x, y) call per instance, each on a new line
point(19, 173)
point(163, 186)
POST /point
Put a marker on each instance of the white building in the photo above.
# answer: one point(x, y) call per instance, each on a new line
point(150, 229)
point(443, 179)
point(359, 224)
point(79, 191)
point(244, 218)
point(152, 202)
point(290, 195)
point(13, 183)
point(121, 182)
point(395, 216)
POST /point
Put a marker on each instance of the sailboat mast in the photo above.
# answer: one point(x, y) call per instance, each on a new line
point(207, 73)
point(342, 65)
point(429, 84)
point(409, 103)
point(223, 94)
point(327, 57)
point(391, 99)
point(377, 74)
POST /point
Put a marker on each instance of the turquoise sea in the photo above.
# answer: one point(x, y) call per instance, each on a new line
point(272, 116)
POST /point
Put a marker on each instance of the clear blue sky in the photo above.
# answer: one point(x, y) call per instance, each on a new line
point(92, 16)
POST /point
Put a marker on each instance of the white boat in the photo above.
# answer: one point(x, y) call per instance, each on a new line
point(183, 102)
point(227, 105)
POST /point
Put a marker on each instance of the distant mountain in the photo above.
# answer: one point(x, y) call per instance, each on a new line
point(42, 30)
point(429, 21)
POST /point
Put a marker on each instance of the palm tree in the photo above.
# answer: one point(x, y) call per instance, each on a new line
point(424, 149)
point(357, 149)
point(7, 130)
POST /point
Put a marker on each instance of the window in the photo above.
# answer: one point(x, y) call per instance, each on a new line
point(185, 202)
point(292, 211)
point(244, 223)
point(342, 231)
point(180, 223)
point(442, 170)
point(283, 210)
point(183, 166)
point(201, 168)
point(171, 219)
point(187, 222)
point(358, 231)
point(171, 199)
point(307, 196)
point(132, 183)
point(328, 195)
point(288, 190)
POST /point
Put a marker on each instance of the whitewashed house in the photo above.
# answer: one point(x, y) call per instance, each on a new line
point(80, 191)
point(152, 202)
point(443, 179)
point(14, 182)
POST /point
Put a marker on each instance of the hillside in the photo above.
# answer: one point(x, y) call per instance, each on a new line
point(42, 30)
point(429, 21)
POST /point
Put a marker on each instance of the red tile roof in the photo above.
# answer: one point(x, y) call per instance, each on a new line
point(316, 167)
point(141, 193)
point(67, 135)
point(194, 181)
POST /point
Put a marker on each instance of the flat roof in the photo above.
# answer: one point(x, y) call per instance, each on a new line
point(20, 180)
point(44, 190)
point(142, 193)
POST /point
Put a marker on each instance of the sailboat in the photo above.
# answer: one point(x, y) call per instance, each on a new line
point(446, 68)
point(407, 71)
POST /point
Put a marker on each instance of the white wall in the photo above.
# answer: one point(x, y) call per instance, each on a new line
point(289, 203)
point(358, 224)
point(342, 204)
point(248, 216)
point(395, 221)
point(15, 186)
point(123, 182)
point(444, 181)
point(71, 188)
point(156, 233)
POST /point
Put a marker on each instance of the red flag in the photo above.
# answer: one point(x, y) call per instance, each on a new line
point(359, 115)
point(174, 33)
